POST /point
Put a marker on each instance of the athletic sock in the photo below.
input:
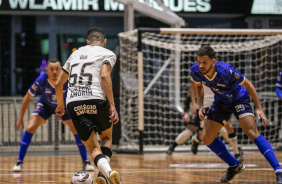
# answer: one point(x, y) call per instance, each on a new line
point(220, 150)
point(266, 150)
point(81, 147)
point(183, 136)
point(26, 139)
point(102, 164)
point(234, 142)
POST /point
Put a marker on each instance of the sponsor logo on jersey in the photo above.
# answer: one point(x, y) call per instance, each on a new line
point(85, 109)
point(47, 90)
point(83, 56)
point(34, 87)
point(237, 75)
point(223, 85)
point(81, 91)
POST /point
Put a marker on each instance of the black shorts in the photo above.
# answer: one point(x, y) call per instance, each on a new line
point(89, 115)
point(196, 121)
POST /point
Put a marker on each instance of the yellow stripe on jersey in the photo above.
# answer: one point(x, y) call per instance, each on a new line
point(107, 62)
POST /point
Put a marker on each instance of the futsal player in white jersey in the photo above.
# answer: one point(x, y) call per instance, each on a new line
point(88, 71)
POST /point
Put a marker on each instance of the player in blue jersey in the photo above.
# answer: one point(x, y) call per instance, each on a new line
point(278, 87)
point(44, 85)
point(231, 95)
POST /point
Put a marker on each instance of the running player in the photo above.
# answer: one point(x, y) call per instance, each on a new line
point(88, 70)
point(44, 85)
point(231, 95)
point(227, 132)
point(278, 87)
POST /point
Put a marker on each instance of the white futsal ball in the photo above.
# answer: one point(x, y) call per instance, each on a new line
point(82, 177)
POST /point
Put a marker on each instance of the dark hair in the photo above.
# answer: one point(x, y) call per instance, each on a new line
point(95, 34)
point(206, 50)
point(52, 60)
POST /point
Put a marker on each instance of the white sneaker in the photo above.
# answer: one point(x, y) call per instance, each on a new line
point(114, 177)
point(18, 167)
point(87, 166)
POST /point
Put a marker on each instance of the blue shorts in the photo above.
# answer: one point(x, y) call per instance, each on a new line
point(221, 113)
point(46, 111)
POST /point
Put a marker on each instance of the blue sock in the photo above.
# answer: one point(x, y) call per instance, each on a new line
point(266, 150)
point(220, 150)
point(81, 147)
point(26, 139)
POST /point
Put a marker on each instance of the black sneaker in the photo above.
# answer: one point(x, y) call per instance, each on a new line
point(194, 147)
point(171, 148)
point(240, 151)
point(232, 171)
point(101, 179)
point(279, 177)
point(238, 157)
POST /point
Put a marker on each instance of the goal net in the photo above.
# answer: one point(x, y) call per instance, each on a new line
point(152, 91)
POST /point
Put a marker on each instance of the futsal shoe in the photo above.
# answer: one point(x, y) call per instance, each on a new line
point(114, 177)
point(18, 167)
point(171, 148)
point(238, 157)
point(194, 147)
point(232, 171)
point(279, 177)
point(101, 179)
point(87, 166)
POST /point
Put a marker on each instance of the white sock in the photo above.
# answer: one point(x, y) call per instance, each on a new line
point(278, 170)
point(234, 144)
point(224, 134)
point(195, 138)
point(183, 136)
point(108, 158)
point(104, 166)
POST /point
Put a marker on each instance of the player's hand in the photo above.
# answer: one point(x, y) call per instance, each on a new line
point(194, 109)
point(186, 117)
point(60, 111)
point(20, 123)
point(262, 116)
point(113, 115)
point(202, 111)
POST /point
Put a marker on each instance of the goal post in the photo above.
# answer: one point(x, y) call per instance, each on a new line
point(154, 65)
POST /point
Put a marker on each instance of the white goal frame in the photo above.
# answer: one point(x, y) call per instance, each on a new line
point(142, 91)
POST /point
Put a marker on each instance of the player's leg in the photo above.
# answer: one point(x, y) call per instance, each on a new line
point(196, 138)
point(34, 122)
point(82, 150)
point(249, 127)
point(182, 137)
point(233, 140)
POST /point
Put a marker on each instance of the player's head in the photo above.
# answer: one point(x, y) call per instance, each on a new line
point(53, 69)
point(96, 36)
point(206, 58)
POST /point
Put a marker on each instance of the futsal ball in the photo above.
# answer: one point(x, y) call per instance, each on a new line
point(82, 177)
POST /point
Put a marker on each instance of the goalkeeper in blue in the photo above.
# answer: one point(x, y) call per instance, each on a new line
point(232, 93)
point(278, 87)
point(44, 85)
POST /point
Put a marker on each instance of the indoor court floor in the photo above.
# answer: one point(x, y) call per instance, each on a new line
point(179, 168)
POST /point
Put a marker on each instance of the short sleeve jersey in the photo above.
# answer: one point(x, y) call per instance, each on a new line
point(279, 80)
point(42, 86)
point(225, 83)
point(84, 69)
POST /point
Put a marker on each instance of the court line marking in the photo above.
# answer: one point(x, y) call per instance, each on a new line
point(144, 171)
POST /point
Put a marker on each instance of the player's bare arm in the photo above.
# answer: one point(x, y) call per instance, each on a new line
point(252, 91)
point(106, 83)
point(200, 98)
point(25, 103)
point(193, 99)
point(62, 79)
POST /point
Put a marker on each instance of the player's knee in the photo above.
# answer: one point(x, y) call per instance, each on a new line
point(205, 139)
point(252, 133)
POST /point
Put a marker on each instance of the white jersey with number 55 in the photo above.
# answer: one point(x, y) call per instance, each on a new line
point(84, 68)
